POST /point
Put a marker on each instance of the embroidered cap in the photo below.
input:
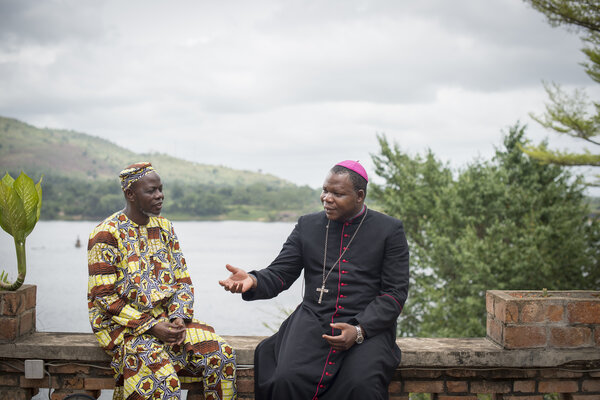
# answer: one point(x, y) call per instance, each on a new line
point(354, 166)
point(134, 173)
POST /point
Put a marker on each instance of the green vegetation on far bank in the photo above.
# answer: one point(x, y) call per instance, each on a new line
point(69, 198)
point(80, 180)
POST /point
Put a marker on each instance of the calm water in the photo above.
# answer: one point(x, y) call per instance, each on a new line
point(59, 269)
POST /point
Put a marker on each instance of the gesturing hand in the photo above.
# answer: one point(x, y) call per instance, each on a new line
point(345, 339)
point(171, 333)
point(238, 282)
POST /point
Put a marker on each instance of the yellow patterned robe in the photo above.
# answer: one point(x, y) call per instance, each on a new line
point(137, 278)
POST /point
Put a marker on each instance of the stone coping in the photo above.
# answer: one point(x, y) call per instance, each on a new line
point(416, 352)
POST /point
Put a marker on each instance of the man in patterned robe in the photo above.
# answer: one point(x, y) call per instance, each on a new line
point(340, 342)
point(140, 300)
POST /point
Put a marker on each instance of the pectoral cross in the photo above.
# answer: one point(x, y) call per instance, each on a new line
point(322, 290)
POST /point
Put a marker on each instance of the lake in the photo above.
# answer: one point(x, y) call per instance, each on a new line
point(59, 269)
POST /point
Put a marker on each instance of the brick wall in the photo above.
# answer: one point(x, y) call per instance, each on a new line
point(450, 369)
point(532, 319)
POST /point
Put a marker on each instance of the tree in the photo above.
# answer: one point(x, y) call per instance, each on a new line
point(572, 114)
point(509, 223)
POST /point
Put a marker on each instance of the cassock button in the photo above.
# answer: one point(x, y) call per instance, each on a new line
point(335, 351)
point(346, 235)
point(346, 223)
point(327, 373)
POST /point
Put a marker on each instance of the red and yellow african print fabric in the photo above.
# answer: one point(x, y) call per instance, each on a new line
point(137, 278)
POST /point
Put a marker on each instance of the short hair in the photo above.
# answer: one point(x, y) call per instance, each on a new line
point(358, 182)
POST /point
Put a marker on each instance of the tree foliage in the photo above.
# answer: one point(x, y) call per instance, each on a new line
point(572, 114)
point(75, 198)
point(509, 223)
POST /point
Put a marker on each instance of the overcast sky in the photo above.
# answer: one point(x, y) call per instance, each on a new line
point(288, 87)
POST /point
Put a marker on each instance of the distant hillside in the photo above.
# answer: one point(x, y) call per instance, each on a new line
point(81, 179)
point(77, 155)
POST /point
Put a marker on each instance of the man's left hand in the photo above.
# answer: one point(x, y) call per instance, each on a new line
point(345, 339)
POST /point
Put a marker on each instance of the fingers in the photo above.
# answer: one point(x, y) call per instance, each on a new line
point(231, 268)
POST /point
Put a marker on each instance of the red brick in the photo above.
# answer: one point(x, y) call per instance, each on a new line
point(590, 385)
point(9, 380)
point(584, 312)
point(395, 387)
point(524, 337)
point(559, 373)
point(420, 374)
point(455, 397)
point(597, 335)
point(490, 387)
point(494, 330)
point(522, 397)
point(505, 311)
point(400, 397)
point(558, 386)
point(37, 383)
point(98, 383)
point(65, 382)
point(461, 373)
point(30, 296)
point(245, 372)
point(531, 311)
point(69, 369)
point(12, 303)
point(570, 336)
point(595, 374)
point(4, 367)
point(424, 386)
point(584, 397)
point(554, 312)
point(457, 386)
point(8, 328)
point(524, 386)
point(16, 394)
point(511, 374)
point(27, 322)
point(245, 386)
point(489, 303)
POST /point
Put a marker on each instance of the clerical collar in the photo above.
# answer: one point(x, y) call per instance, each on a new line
point(362, 210)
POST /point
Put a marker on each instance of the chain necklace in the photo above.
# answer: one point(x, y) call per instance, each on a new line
point(322, 288)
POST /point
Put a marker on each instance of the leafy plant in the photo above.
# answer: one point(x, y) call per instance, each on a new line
point(20, 206)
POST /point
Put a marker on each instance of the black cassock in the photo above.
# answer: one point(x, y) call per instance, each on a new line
point(368, 286)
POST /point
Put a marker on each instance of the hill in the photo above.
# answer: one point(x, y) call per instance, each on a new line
point(78, 155)
point(80, 179)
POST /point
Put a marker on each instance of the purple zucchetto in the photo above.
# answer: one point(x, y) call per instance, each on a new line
point(354, 166)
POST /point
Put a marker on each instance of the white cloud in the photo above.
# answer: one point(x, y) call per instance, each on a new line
point(285, 87)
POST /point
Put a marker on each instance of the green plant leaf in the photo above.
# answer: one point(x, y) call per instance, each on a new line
point(8, 180)
point(13, 212)
point(38, 188)
point(4, 218)
point(25, 188)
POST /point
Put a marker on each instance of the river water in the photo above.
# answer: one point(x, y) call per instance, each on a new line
point(59, 269)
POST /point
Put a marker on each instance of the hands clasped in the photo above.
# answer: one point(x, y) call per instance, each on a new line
point(171, 333)
point(238, 282)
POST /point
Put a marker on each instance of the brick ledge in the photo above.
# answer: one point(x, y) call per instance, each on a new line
point(416, 352)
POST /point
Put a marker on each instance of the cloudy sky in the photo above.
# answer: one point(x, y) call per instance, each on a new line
point(287, 87)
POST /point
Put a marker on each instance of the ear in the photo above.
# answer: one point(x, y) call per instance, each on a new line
point(130, 194)
point(360, 196)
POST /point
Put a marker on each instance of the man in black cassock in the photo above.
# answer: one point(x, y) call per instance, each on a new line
point(340, 342)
